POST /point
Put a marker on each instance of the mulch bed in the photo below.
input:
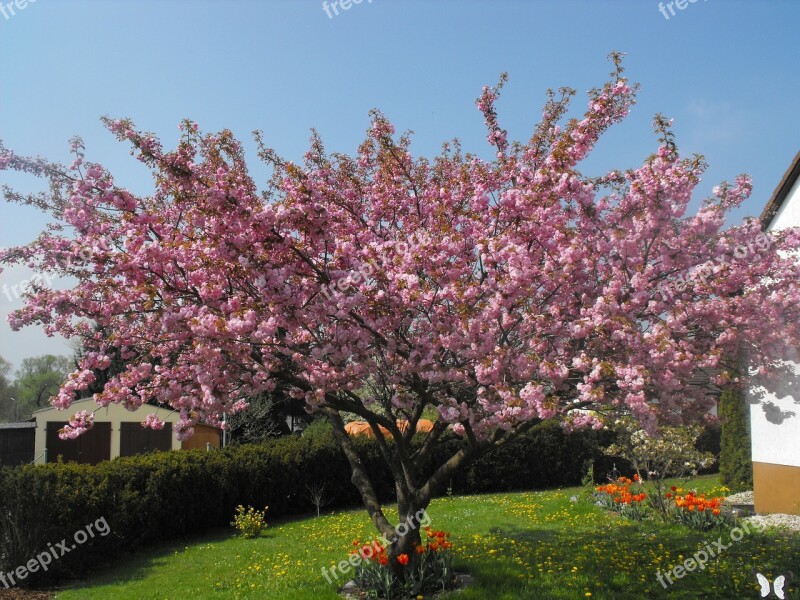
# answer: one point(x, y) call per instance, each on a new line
point(351, 592)
point(22, 594)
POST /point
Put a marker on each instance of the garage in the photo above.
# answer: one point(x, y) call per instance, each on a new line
point(135, 439)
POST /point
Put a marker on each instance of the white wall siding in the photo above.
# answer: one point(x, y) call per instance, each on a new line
point(789, 214)
point(774, 443)
point(779, 443)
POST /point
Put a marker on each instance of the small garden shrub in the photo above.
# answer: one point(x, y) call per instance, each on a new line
point(249, 521)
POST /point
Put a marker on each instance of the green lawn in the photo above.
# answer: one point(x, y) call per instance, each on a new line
point(523, 545)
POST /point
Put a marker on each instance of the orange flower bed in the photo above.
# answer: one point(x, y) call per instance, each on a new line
point(428, 569)
point(620, 492)
point(437, 540)
point(695, 510)
point(618, 497)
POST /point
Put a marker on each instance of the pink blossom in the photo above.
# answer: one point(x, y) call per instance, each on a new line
point(79, 423)
point(153, 422)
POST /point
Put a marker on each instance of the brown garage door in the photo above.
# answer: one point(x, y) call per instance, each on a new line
point(91, 447)
point(16, 445)
point(135, 439)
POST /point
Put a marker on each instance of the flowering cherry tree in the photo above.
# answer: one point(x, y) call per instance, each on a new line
point(484, 295)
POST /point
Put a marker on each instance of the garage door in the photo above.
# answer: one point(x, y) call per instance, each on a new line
point(135, 439)
point(91, 447)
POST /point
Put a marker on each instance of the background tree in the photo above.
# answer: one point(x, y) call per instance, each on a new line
point(318, 495)
point(496, 293)
point(8, 393)
point(264, 418)
point(267, 413)
point(38, 379)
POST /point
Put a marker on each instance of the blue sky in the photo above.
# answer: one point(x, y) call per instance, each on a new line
point(725, 70)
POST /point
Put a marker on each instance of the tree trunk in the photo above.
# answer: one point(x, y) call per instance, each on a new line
point(408, 536)
point(360, 477)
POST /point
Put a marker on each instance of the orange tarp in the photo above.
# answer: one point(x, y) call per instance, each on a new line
point(363, 428)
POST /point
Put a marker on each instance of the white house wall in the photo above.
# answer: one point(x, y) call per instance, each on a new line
point(776, 446)
point(773, 443)
point(789, 213)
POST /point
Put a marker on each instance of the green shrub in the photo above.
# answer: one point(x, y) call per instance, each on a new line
point(249, 521)
point(319, 429)
point(735, 460)
point(710, 441)
point(544, 457)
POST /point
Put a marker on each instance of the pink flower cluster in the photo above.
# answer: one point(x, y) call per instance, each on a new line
point(80, 422)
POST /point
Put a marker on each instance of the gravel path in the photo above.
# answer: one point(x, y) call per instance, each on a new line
point(740, 498)
point(791, 522)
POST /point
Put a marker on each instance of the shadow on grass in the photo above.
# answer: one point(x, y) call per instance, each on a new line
point(622, 561)
point(139, 562)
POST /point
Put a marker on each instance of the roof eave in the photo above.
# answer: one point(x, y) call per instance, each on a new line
point(781, 192)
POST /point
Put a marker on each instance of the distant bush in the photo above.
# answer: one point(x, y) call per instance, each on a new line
point(544, 457)
point(710, 440)
point(167, 495)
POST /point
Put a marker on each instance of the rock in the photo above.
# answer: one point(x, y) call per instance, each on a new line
point(350, 591)
point(464, 580)
point(740, 498)
point(790, 522)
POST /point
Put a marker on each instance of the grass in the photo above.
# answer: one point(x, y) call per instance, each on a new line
point(521, 545)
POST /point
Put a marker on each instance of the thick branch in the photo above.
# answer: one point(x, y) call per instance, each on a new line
point(360, 477)
point(458, 461)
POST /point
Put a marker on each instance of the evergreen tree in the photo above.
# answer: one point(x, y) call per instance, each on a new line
point(735, 462)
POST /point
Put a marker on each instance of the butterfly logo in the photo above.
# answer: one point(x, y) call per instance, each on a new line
point(777, 587)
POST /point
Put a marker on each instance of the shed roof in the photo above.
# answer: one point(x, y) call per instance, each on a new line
point(18, 425)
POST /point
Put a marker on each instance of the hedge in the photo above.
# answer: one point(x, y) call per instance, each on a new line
point(168, 495)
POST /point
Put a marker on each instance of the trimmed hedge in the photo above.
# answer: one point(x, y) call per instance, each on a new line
point(167, 495)
point(545, 457)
